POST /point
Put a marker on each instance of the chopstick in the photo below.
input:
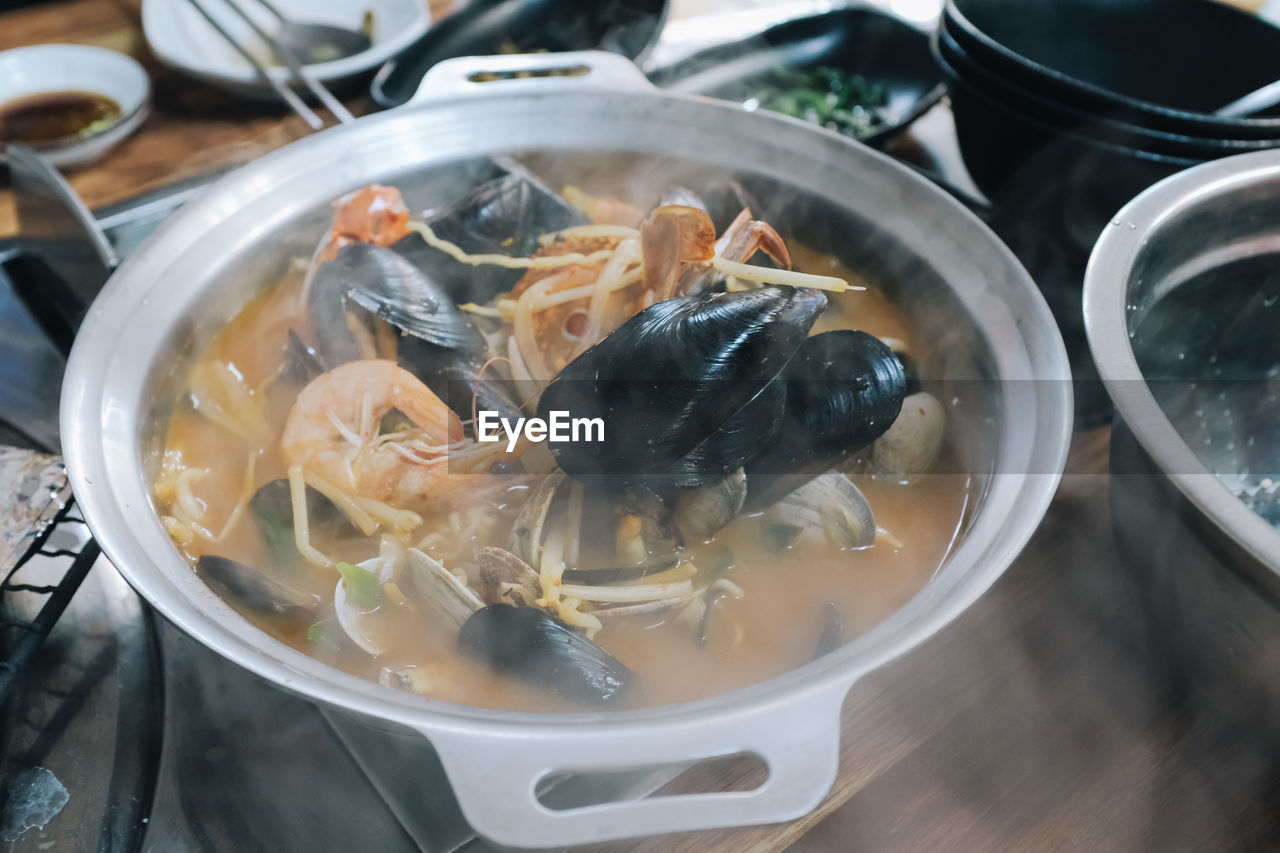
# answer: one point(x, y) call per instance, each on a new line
point(291, 61)
point(286, 94)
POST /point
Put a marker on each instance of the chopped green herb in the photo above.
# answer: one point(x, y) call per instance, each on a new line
point(326, 634)
point(363, 589)
point(838, 100)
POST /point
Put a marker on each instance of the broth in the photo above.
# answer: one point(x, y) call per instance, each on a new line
point(774, 626)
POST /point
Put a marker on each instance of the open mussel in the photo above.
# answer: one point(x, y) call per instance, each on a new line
point(534, 647)
point(844, 390)
point(503, 216)
point(666, 381)
point(255, 590)
point(436, 342)
point(385, 284)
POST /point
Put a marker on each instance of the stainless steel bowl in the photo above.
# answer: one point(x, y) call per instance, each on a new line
point(1182, 308)
point(993, 347)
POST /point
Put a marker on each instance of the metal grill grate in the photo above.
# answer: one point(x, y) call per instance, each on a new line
point(20, 638)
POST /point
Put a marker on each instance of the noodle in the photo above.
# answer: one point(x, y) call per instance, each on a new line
point(456, 252)
point(241, 399)
point(399, 520)
point(791, 278)
point(568, 609)
point(301, 524)
point(352, 510)
point(525, 383)
point(178, 532)
point(481, 310)
point(612, 277)
point(192, 507)
point(628, 594)
point(621, 231)
point(552, 566)
point(246, 493)
point(529, 352)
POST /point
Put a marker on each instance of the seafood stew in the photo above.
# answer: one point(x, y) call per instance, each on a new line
point(775, 472)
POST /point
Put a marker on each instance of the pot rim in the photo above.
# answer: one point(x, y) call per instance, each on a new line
point(1106, 296)
point(89, 442)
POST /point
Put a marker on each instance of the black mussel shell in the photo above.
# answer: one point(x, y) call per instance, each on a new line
point(438, 342)
point(844, 389)
point(912, 372)
point(665, 381)
point(463, 380)
point(388, 285)
point(272, 507)
point(301, 363)
point(526, 643)
point(254, 589)
point(738, 440)
point(504, 216)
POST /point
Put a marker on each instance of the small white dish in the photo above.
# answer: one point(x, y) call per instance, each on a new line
point(35, 70)
point(182, 39)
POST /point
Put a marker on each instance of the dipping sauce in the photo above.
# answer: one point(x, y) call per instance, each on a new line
point(47, 116)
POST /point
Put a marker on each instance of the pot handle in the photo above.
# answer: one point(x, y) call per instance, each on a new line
point(594, 68)
point(495, 776)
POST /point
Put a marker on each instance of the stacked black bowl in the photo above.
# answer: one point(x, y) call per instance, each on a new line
point(1066, 109)
point(1136, 80)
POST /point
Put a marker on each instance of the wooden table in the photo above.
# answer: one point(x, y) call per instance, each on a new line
point(1035, 722)
point(193, 127)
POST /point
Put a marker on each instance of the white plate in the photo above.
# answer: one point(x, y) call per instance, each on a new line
point(60, 67)
point(181, 38)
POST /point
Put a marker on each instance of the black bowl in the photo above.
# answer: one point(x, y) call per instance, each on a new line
point(487, 27)
point(1109, 128)
point(1163, 64)
point(883, 49)
point(1053, 189)
point(1004, 146)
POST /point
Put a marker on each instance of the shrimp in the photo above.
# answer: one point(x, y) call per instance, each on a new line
point(373, 214)
point(333, 431)
point(673, 238)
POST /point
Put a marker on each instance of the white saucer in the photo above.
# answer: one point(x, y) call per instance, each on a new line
point(184, 40)
point(60, 67)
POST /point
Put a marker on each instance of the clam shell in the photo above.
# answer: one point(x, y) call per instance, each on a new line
point(833, 504)
point(912, 445)
point(350, 617)
point(702, 512)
